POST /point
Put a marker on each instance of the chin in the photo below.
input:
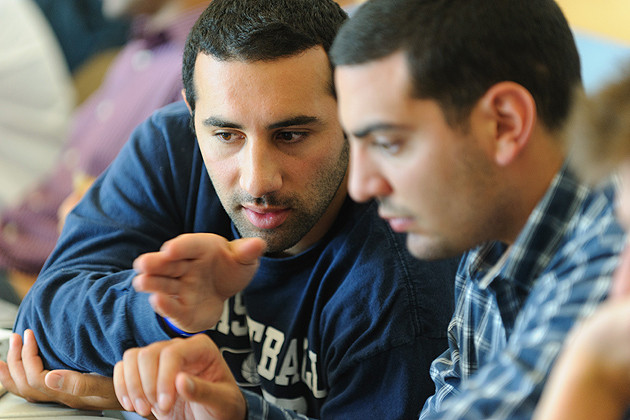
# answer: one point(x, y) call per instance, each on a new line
point(430, 249)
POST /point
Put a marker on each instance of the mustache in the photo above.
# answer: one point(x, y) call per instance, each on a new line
point(267, 200)
point(387, 206)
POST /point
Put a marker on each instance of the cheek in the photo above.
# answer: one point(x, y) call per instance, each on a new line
point(427, 179)
point(315, 162)
point(223, 172)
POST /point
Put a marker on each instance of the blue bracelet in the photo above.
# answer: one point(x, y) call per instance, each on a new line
point(177, 330)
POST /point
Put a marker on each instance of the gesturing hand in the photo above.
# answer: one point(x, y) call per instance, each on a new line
point(181, 379)
point(191, 276)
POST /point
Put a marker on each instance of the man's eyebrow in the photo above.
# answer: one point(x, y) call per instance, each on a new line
point(289, 122)
point(221, 123)
point(366, 131)
point(297, 120)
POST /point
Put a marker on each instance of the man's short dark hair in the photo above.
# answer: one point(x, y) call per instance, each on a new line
point(457, 49)
point(259, 30)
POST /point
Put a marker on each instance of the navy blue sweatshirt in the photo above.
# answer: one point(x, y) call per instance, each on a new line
point(346, 329)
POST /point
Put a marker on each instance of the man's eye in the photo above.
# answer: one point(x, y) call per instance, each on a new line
point(388, 147)
point(227, 137)
point(291, 136)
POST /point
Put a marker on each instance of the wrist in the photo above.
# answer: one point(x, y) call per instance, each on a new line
point(175, 331)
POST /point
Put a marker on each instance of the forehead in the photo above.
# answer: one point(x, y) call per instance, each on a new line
point(376, 89)
point(294, 83)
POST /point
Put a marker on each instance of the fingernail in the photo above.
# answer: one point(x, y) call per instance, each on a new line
point(127, 404)
point(164, 401)
point(55, 380)
point(142, 407)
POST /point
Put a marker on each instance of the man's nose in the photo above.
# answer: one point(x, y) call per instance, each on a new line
point(261, 171)
point(365, 180)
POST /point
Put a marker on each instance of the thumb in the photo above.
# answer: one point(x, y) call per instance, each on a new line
point(80, 384)
point(248, 250)
point(219, 399)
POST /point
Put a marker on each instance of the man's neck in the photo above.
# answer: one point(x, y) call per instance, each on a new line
point(532, 177)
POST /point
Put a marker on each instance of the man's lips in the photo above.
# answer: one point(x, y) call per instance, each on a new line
point(266, 218)
point(400, 224)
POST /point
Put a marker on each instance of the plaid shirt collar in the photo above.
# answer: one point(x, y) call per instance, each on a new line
point(538, 241)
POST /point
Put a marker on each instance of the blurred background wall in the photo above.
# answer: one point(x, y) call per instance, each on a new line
point(602, 32)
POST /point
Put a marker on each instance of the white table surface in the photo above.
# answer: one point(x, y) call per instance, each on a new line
point(12, 407)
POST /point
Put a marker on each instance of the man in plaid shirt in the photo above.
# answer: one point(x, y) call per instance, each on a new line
point(455, 115)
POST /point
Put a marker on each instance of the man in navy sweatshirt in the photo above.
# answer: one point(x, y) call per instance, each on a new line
point(242, 228)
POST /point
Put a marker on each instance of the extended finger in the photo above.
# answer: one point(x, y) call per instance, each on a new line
point(120, 387)
point(133, 383)
point(14, 361)
point(147, 360)
point(166, 306)
point(160, 264)
point(191, 246)
point(171, 362)
point(150, 283)
point(6, 380)
point(33, 366)
point(18, 374)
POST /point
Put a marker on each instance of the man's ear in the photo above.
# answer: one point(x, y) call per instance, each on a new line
point(186, 100)
point(513, 111)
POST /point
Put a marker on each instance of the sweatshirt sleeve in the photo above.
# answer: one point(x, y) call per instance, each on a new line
point(82, 308)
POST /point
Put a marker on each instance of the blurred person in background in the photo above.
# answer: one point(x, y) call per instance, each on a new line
point(591, 379)
point(36, 102)
point(36, 97)
point(145, 75)
point(83, 29)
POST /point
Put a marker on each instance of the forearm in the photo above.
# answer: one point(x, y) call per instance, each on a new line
point(85, 324)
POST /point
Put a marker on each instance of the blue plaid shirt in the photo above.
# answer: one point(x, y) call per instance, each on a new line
point(515, 306)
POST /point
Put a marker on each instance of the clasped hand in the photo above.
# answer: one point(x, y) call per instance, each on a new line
point(184, 379)
point(179, 379)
